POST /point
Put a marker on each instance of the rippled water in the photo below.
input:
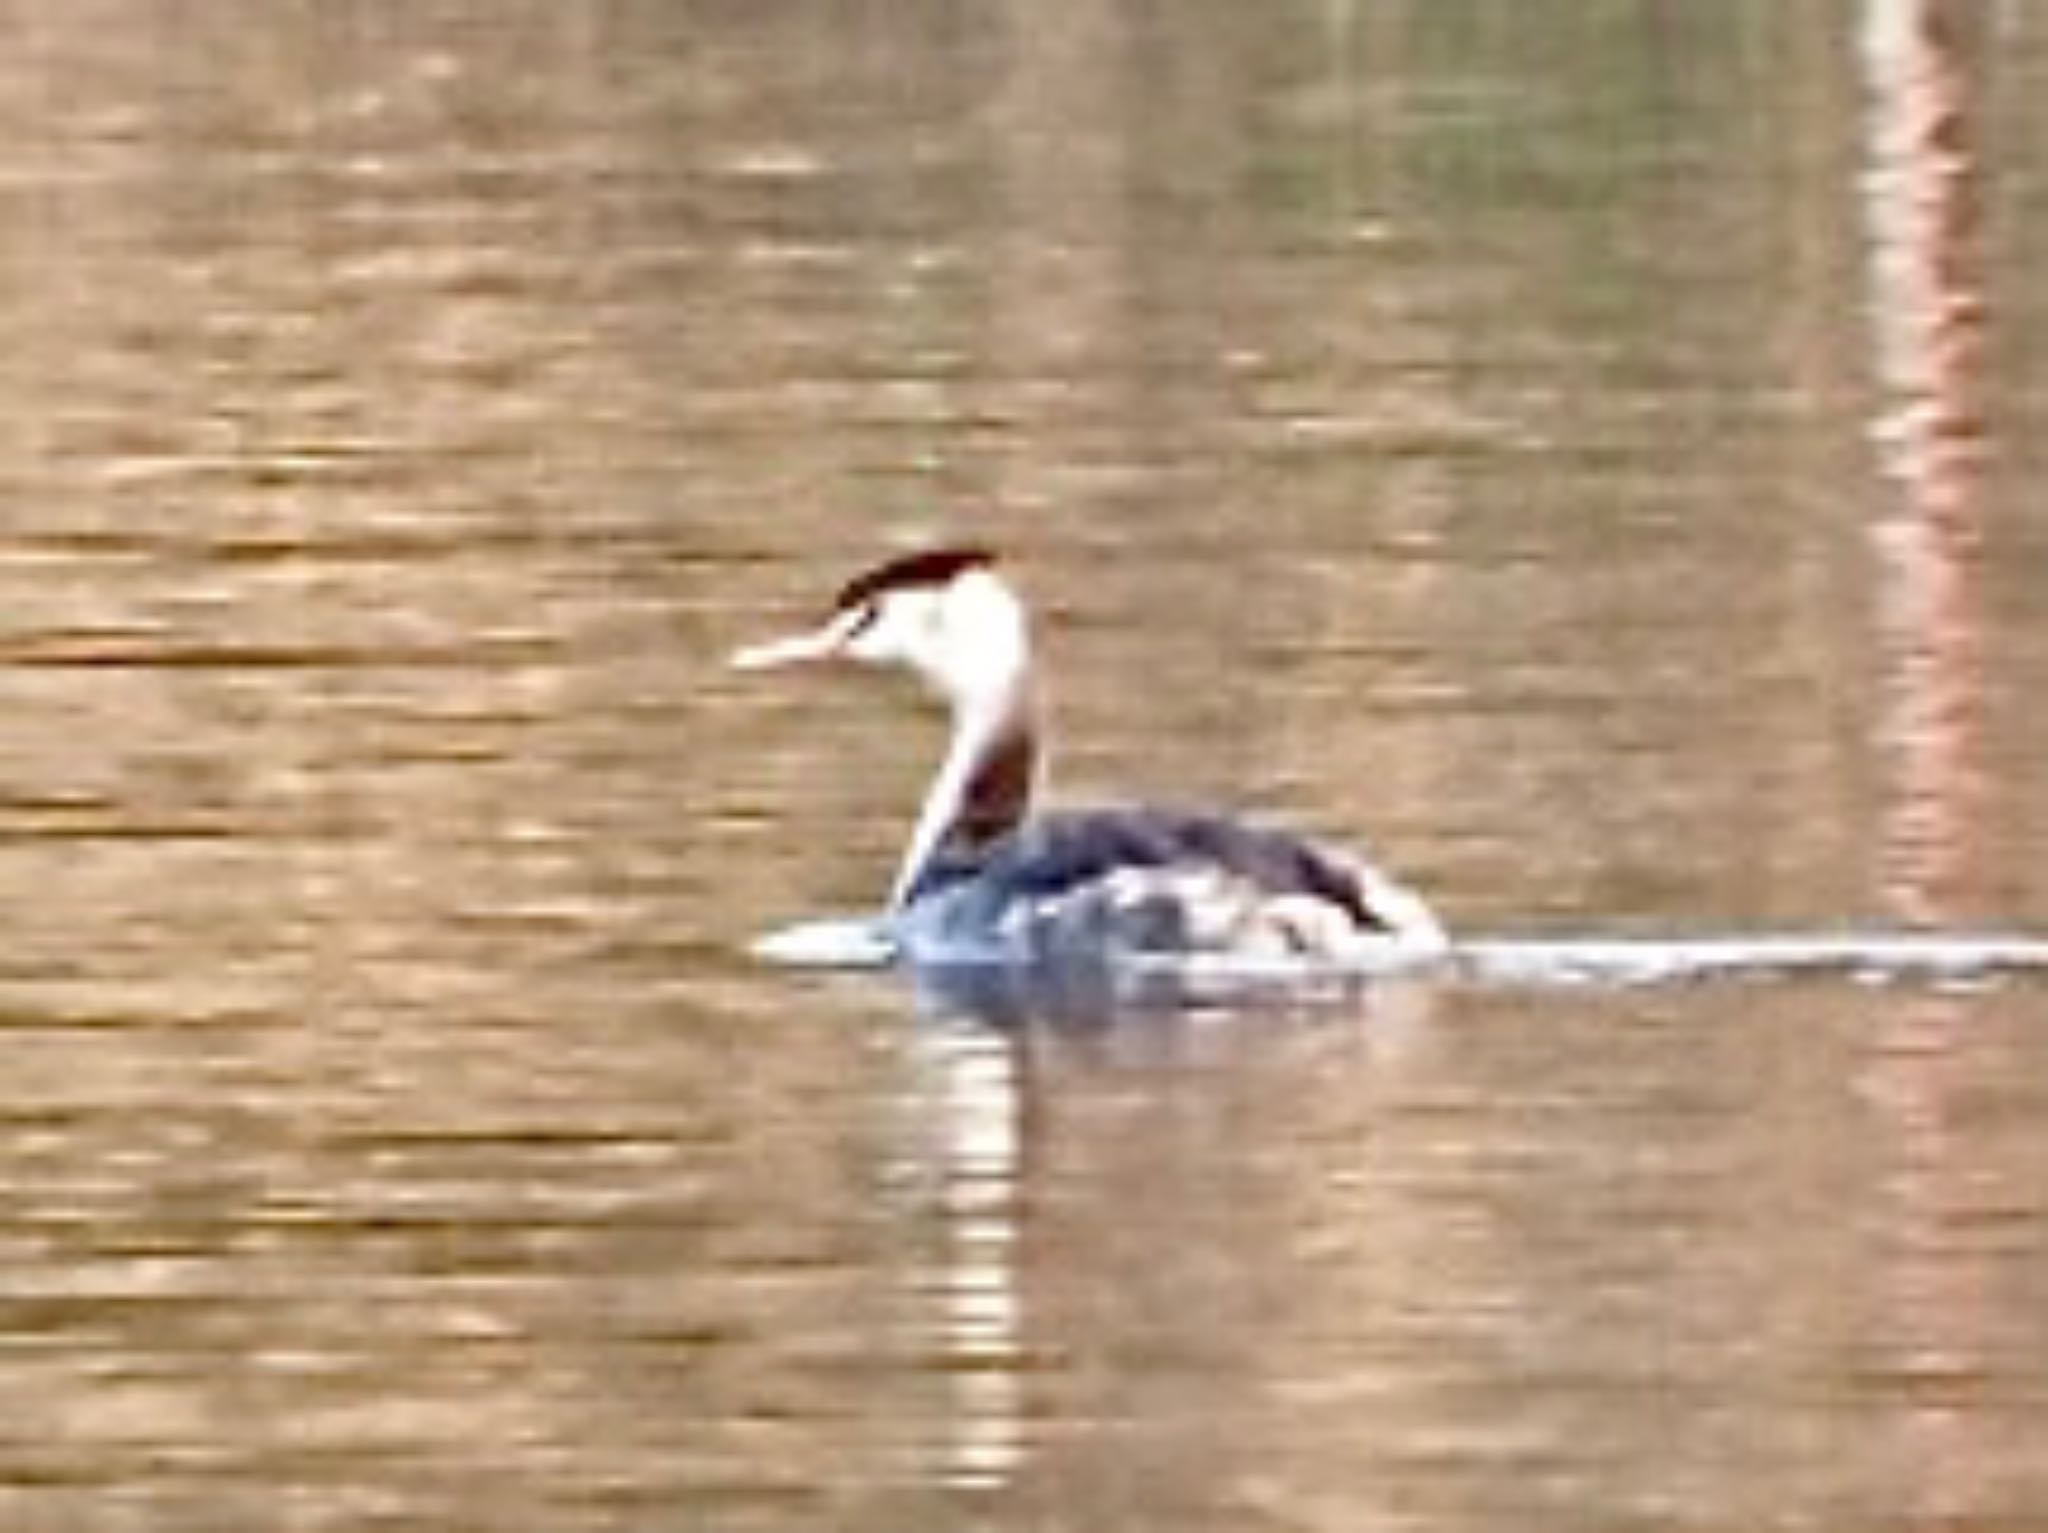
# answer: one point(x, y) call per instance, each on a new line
point(1591, 456)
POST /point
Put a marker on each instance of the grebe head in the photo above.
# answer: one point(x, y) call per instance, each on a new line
point(945, 615)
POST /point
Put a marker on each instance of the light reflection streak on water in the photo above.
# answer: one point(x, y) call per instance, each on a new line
point(1926, 319)
point(975, 1103)
point(1926, 314)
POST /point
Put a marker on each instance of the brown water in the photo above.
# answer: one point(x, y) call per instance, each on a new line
point(1592, 454)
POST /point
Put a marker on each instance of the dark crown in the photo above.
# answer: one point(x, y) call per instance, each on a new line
point(928, 569)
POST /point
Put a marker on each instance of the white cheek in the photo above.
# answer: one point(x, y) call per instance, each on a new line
point(988, 633)
point(902, 633)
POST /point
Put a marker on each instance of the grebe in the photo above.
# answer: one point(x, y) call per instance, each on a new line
point(983, 879)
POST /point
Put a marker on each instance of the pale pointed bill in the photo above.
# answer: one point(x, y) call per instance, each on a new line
point(798, 649)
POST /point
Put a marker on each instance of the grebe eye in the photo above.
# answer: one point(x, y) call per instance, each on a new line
point(863, 619)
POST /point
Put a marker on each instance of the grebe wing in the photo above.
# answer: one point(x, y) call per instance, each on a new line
point(1056, 855)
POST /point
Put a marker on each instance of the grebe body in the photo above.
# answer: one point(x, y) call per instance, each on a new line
point(984, 879)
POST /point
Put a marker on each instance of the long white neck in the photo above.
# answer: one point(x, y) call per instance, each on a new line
point(970, 643)
point(984, 786)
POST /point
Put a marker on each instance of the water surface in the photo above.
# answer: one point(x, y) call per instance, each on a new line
point(1590, 457)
